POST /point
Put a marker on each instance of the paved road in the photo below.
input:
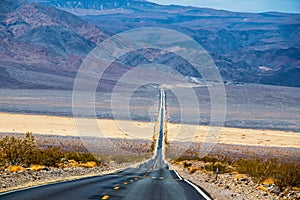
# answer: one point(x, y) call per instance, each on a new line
point(150, 180)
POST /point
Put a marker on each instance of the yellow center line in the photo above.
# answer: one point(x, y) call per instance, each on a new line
point(136, 178)
point(105, 197)
point(125, 183)
point(117, 187)
point(131, 181)
point(155, 164)
point(146, 173)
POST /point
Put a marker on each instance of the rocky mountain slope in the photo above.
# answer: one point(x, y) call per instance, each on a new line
point(43, 46)
point(247, 47)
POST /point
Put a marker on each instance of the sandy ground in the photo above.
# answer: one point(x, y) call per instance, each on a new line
point(227, 135)
point(67, 126)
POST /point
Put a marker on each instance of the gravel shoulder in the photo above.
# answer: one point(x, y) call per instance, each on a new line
point(19, 180)
point(229, 186)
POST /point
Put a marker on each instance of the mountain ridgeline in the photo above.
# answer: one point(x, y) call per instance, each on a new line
point(43, 43)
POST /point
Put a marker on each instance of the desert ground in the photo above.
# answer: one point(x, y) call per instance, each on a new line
point(67, 126)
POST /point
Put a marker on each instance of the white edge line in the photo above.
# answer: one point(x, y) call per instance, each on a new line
point(194, 186)
point(198, 190)
point(177, 174)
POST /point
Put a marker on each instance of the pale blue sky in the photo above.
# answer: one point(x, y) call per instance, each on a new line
point(290, 6)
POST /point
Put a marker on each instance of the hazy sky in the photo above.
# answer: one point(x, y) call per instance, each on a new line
point(290, 6)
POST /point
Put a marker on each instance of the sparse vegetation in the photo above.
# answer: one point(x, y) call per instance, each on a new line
point(90, 164)
point(281, 173)
point(24, 152)
point(15, 168)
point(30, 159)
point(217, 165)
point(268, 172)
point(17, 152)
point(37, 167)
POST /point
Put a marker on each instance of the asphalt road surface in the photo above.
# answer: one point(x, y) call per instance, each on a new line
point(150, 180)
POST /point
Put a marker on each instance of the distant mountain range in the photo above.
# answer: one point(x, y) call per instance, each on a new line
point(43, 44)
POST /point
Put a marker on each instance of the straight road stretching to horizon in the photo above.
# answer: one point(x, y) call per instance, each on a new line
point(150, 180)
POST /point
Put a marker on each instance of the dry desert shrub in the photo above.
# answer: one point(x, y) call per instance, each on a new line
point(263, 188)
point(15, 168)
point(269, 171)
point(17, 151)
point(37, 167)
point(88, 164)
point(23, 151)
point(73, 163)
point(282, 174)
point(268, 181)
point(240, 176)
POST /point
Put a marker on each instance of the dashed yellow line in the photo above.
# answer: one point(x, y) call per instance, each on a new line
point(105, 197)
point(155, 164)
point(117, 187)
point(146, 174)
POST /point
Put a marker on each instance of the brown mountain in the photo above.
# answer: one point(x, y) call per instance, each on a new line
point(247, 47)
point(41, 46)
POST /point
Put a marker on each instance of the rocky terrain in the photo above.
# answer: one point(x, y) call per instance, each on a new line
point(246, 47)
point(234, 186)
point(21, 179)
point(43, 44)
point(229, 185)
point(109, 155)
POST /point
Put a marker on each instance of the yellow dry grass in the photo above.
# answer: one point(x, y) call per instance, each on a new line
point(268, 181)
point(230, 169)
point(15, 168)
point(296, 188)
point(260, 187)
point(60, 165)
point(240, 176)
point(181, 163)
point(72, 163)
point(88, 164)
point(194, 169)
point(234, 173)
point(37, 167)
